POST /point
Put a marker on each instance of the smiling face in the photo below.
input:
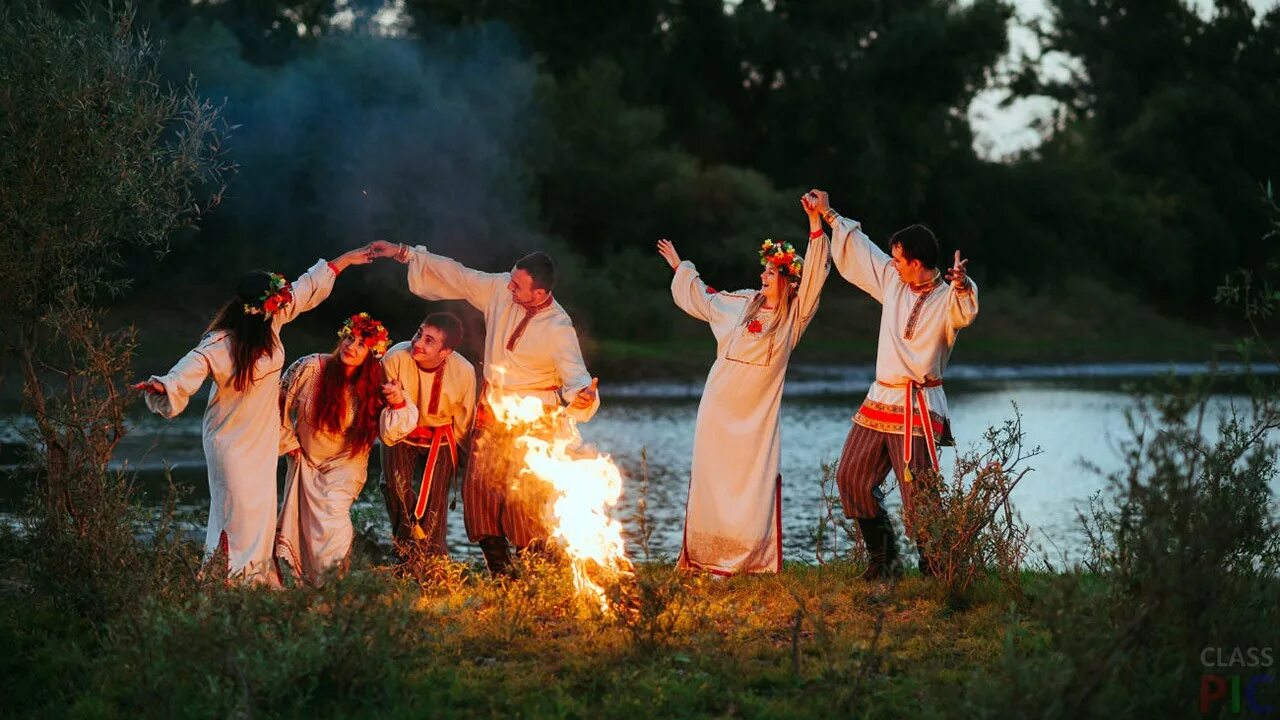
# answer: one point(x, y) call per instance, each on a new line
point(912, 272)
point(771, 283)
point(428, 347)
point(522, 290)
point(352, 351)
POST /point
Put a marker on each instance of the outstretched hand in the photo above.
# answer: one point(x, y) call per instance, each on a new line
point(586, 397)
point(358, 256)
point(153, 387)
point(957, 275)
point(668, 253)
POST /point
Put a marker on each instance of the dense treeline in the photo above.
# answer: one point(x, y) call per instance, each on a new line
point(486, 128)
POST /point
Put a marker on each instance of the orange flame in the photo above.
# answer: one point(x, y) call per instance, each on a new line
point(585, 484)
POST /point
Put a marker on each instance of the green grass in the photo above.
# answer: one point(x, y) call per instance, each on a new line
point(809, 642)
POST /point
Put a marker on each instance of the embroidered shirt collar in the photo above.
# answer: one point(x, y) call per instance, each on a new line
point(927, 285)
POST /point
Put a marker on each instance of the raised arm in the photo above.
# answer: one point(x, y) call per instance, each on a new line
point(167, 395)
point(963, 307)
point(435, 277)
point(817, 266)
point(687, 289)
point(857, 259)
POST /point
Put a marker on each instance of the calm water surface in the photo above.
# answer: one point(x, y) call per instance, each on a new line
point(1072, 420)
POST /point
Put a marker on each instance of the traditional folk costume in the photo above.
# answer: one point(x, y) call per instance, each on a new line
point(419, 461)
point(528, 351)
point(918, 328)
point(241, 433)
point(326, 474)
point(733, 519)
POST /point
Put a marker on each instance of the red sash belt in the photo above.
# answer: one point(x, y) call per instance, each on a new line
point(914, 393)
point(432, 437)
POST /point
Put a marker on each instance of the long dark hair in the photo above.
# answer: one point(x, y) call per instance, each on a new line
point(330, 406)
point(251, 336)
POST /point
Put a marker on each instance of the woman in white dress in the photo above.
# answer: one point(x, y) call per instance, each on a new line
point(733, 519)
point(241, 350)
point(332, 407)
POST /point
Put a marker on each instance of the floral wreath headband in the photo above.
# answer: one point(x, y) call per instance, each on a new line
point(279, 295)
point(373, 333)
point(783, 257)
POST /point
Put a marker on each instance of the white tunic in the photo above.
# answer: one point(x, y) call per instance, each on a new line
point(733, 516)
point(457, 392)
point(324, 478)
point(241, 434)
point(545, 360)
point(918, 327)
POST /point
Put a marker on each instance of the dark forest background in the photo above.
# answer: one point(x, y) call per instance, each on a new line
point(487, 129)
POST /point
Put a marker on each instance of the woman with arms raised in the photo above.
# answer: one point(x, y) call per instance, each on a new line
point(733, 516)
point(241, 350)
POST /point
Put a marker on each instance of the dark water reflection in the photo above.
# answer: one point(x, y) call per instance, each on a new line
point(1072, 420)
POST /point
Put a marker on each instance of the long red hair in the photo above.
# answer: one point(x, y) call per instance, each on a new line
point(331, 400)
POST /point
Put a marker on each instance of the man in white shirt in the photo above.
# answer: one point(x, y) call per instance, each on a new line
point(530, 349)
point(904, 416)
point(418, 466)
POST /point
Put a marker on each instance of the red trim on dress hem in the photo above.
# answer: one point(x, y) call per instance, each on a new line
point(777, 514)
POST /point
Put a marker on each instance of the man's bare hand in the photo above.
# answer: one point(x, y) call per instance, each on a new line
point(382, 249)
point(585, 398)
point(957, 275)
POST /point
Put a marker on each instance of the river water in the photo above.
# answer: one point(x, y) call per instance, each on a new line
point(1075, 414)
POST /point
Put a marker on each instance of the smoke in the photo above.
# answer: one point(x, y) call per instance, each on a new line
point(368, 137)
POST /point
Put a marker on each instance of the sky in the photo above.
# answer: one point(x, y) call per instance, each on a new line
point(1001, 132)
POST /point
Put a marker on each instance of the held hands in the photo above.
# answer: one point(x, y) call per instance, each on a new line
point(668, 253)
point(957, 275)
point(382, 249)
point(587, 396)
point(393, 392)
point(819, 200)
point(359, 256)
point(809, 201)
point(152, 387)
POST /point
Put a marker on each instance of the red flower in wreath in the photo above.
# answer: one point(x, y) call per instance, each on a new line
point(754, 327)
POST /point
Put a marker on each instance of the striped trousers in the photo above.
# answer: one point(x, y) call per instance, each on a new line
point(402, 468)
point(865, 462)
point(497, 500)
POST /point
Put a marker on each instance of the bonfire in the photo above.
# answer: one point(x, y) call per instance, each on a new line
point(576, 487)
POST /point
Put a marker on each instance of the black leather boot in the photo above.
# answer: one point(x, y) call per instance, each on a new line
point(497, 555)
point(882, 550)
point(873, 540)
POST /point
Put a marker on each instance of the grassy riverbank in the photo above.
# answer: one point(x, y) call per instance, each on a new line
point(810, 642)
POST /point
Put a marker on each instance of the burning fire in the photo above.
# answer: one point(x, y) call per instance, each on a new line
point(585, 487)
